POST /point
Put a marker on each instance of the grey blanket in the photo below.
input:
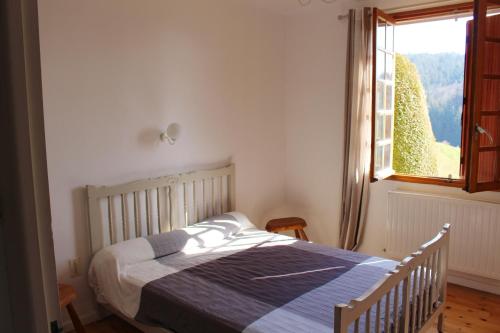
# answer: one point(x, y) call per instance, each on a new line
point(264, 288)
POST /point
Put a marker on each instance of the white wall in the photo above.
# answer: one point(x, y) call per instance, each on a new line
point(314, 99)
point(117, 72)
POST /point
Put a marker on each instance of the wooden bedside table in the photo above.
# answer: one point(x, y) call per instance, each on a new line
point(67, 295)
point(288, 223)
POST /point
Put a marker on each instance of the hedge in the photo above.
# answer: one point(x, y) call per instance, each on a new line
point(414, 142)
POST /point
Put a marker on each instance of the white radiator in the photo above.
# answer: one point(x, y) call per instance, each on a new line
point(414, 218)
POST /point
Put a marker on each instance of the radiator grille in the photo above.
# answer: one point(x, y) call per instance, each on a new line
point(414, 218)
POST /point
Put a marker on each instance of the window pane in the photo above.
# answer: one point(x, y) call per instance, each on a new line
point(389, 66)
point(380, 95)
point(379, 128)
point(380, 70)
point(389, 98)
point(379, 153)
point(390, 38)
point(387, 156)
point(388, 127)
point(381, 34)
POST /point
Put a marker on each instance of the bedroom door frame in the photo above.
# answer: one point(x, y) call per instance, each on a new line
point(24, 191)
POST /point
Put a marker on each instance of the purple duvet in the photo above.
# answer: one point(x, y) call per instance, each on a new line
point(266, 286)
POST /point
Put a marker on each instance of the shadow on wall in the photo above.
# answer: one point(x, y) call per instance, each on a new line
point(317, 230)
point(82, 234)
point(149, 138)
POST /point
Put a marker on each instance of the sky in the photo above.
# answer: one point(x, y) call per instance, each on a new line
point(431, 37)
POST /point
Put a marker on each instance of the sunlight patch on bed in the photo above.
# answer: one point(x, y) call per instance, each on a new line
point(375, 263)
point(287, 241)
point(235, 223)
point(298, 273)
point(195, 230)
point(231, 248)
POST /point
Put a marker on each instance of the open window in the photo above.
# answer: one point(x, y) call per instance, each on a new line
point(471, 158)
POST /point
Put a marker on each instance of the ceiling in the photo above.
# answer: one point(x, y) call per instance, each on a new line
point(279, 6)
point(286, 7)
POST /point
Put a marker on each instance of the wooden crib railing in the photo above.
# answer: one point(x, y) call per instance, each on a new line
point(421, 281)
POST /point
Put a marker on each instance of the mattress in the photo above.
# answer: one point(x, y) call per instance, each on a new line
point(246, 280)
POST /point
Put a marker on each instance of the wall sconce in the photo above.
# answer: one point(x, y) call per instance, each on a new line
point(171, 134)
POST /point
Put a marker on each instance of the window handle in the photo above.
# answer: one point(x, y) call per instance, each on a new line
point(481, 130)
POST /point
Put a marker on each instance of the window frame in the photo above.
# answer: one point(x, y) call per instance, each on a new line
point(425, 14)
point(376, 15)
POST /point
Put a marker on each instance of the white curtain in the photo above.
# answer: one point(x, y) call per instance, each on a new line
point(357, 150)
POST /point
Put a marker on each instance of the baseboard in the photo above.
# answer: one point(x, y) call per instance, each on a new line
point(474, 282)
point(103, 312)
point(136, 324)
point(86, 318)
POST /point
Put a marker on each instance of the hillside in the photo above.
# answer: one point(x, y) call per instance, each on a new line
point(448, 160)
point(442, 77)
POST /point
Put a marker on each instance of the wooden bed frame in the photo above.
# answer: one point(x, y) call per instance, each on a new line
point(145, 207)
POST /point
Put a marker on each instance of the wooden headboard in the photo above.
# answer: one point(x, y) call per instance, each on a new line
point(151, 206)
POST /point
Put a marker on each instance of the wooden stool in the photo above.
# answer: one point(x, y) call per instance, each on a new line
point(67, 294)
point(288, 223)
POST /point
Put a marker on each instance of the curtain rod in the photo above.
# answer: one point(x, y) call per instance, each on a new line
point(414, 6)
point(424, 4)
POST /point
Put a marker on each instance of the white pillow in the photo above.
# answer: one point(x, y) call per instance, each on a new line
point(206, 233)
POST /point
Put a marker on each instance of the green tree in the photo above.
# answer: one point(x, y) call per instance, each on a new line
point(414, 142)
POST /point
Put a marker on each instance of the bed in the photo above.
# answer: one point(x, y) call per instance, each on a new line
point(172, 255)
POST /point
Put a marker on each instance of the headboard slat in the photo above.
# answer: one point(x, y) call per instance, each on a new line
point(160, 214)
point(214, 212)
point(232, 191)
point(221, 194)
point(137, 221)
point(111, 222)
point(126, 234)
point(168, 210)
point(149, 224)
point(195, 204)
point(158, 210)
point(204, 208)
point(185, 214)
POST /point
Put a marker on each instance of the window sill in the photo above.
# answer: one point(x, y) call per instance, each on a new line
point(428, 180)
